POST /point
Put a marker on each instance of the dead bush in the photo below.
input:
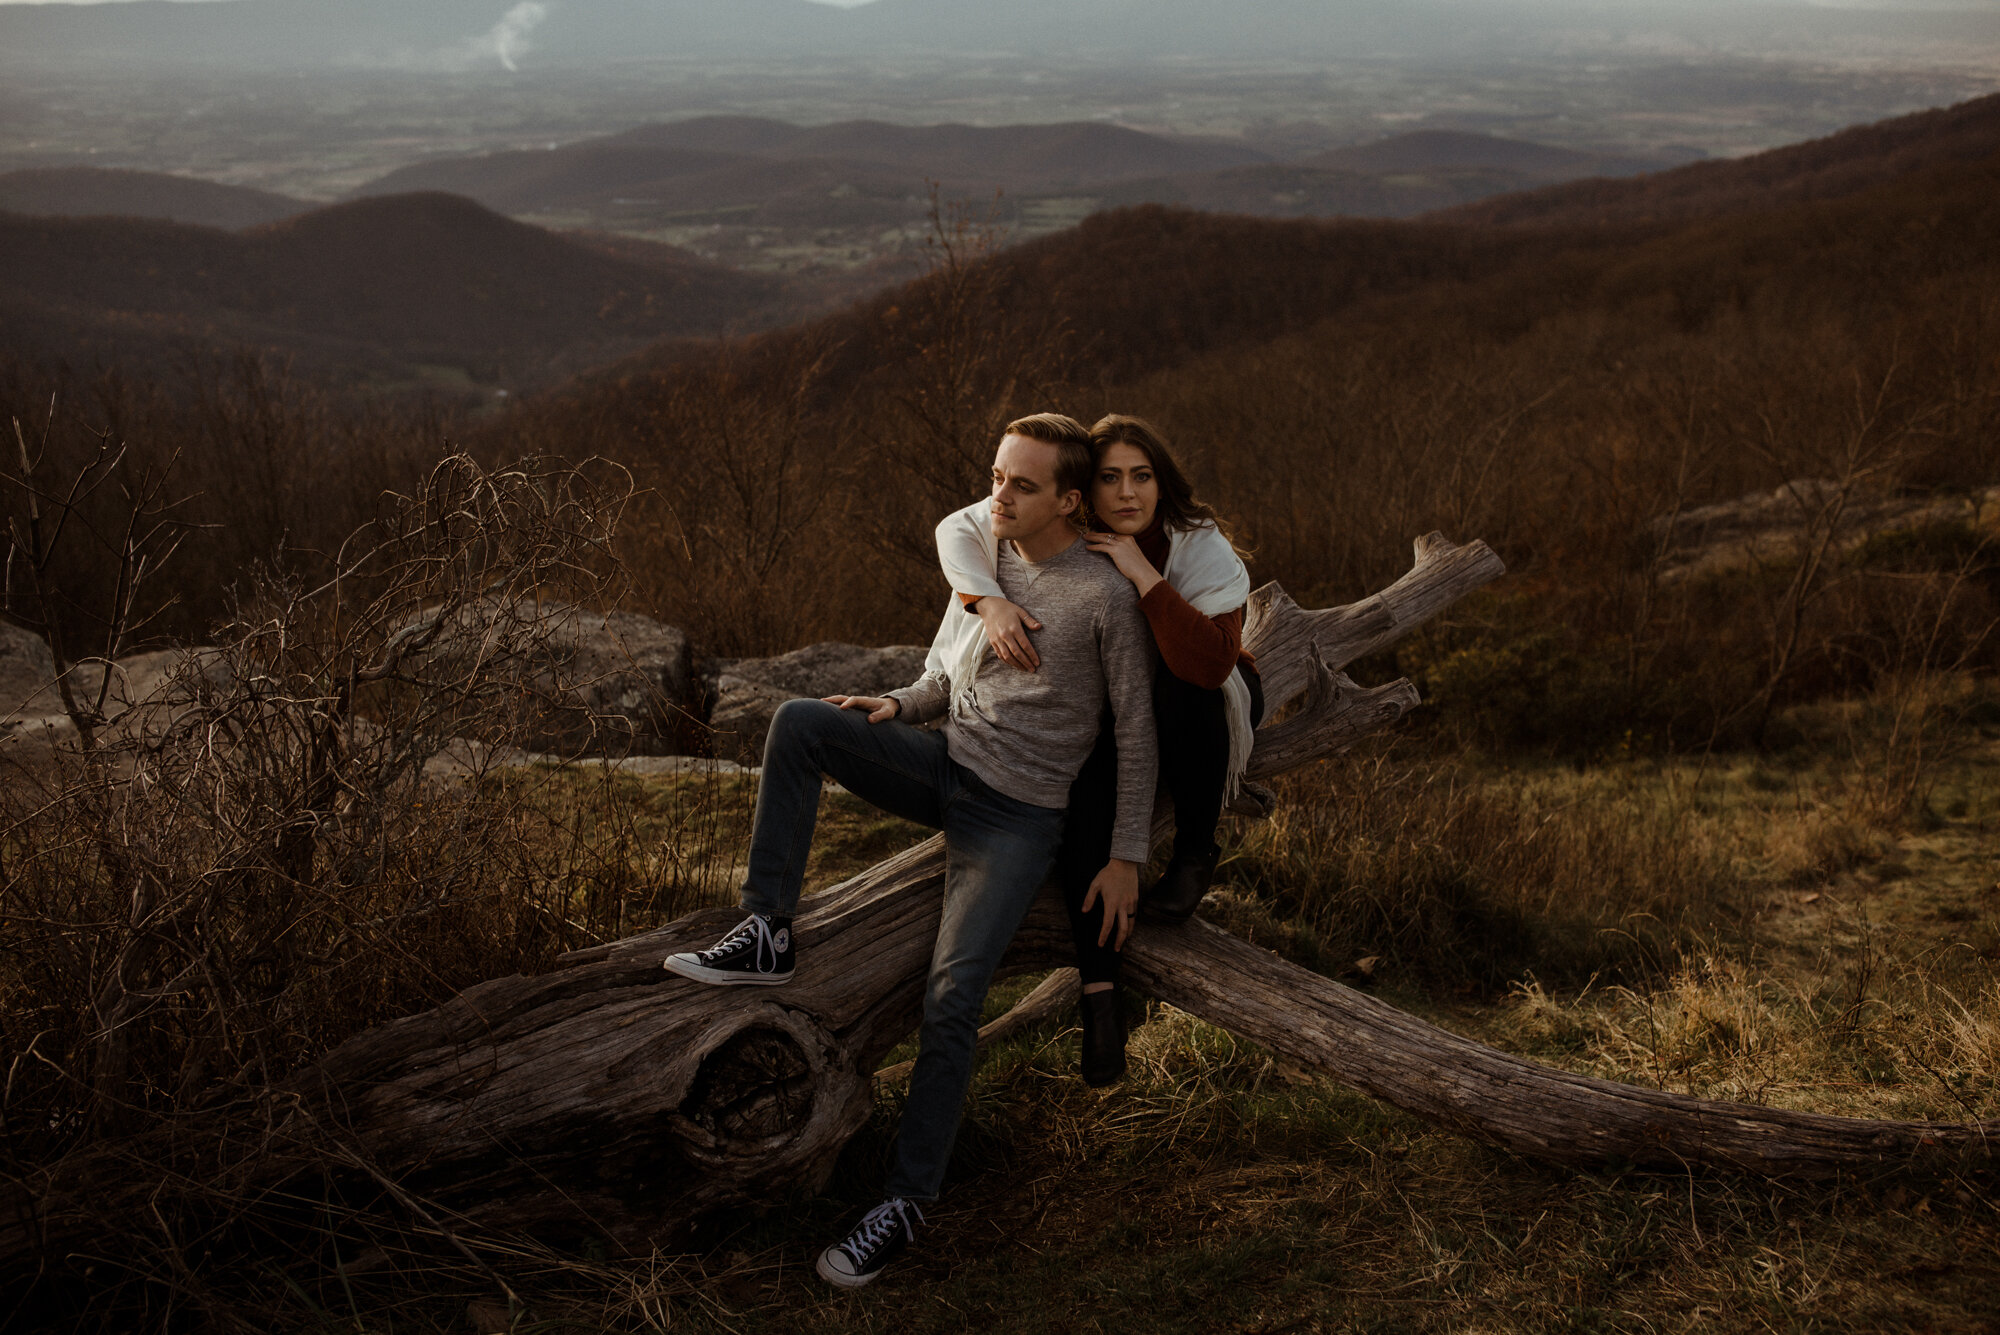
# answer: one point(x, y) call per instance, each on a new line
point(316, 826)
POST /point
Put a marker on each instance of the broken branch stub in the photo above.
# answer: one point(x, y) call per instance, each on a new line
point(1283, 636)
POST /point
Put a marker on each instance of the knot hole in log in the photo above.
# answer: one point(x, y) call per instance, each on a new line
point(758, 1084)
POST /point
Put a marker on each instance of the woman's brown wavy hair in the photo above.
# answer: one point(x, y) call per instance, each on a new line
point(1178, 505)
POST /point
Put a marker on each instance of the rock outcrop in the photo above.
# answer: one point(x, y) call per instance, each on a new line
point(138, 698)
point(585, 682)
point(748, 691)
point(571, 683)
point(158, 677)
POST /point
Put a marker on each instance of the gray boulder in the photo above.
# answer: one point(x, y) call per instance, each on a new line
point(163, 676)
point(144, 695)
point(749, 690)
point(604, 682)
point(28, 688)
point(26, 670)
point(635, 666)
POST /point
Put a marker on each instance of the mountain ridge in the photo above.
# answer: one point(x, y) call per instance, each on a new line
point(1204, 281)
point(1397, 176)
point(766, 157)
point(386, 284)
point(75, 192)
point(773, 173)
point(1845, 162)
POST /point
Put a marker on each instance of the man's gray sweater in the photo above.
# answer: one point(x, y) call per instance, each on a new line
point(1028, 733)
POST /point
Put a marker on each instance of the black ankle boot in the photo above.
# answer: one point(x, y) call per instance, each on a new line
point(1103, 1038)
point(1179, 890)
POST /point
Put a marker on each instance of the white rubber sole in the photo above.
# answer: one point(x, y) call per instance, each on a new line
point(835, 1277)
point(687, 966)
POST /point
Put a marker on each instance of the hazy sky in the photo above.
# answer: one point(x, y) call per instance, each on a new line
point(458, 36)
point(1933, 5)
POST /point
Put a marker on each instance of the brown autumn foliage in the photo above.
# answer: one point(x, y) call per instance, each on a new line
point(1343, 387)
point(1338, 387)
point(272, 472)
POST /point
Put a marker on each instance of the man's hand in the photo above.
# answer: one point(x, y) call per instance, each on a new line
point(1007, 626)
point(1125, 554)
point(1118, 886)
point(879, 710)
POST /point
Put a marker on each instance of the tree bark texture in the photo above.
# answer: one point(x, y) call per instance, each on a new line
point(611, 1096)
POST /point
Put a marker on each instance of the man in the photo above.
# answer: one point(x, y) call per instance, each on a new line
point(994, 778)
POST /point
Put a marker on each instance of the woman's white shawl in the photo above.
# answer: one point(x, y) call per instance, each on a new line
point(1201, 565)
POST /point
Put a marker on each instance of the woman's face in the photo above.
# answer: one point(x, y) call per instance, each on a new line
point(1125, 492)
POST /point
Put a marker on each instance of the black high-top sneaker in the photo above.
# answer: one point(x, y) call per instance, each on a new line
point(757, 953)
point(1178, 892)
point(881, 1236)
point(1103, 1038)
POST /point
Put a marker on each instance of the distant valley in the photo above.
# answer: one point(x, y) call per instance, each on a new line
point(509, 271)
point(423, 283)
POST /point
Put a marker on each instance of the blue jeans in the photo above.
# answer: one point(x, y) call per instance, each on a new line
point(998, 851)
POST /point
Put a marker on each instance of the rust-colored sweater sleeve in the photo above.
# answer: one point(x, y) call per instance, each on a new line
point(1201, 651)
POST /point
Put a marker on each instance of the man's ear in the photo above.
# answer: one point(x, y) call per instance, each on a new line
point(1071, 500)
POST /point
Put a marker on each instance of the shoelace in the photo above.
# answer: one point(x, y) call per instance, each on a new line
point(755, 928)
point(878, 1224)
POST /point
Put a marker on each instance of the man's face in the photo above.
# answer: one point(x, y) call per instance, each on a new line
point(1025, 498)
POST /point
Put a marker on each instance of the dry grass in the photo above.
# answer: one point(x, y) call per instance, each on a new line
point(1821, 958)
point(1461, 879)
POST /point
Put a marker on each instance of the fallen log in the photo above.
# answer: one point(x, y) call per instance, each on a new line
point(613, 1097)
point(613, 1094)
point(1487, 1094)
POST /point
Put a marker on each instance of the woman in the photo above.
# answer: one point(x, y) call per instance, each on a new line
point(1142, 513)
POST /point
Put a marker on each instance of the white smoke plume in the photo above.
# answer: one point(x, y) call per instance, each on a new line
point(508, 39)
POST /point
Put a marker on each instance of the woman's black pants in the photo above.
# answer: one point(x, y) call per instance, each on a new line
point(1194, 764)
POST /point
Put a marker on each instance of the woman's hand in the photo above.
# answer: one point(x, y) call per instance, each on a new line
point(1007, 626)
point(1125, 554)
point(879, 710)
point(1118, 886)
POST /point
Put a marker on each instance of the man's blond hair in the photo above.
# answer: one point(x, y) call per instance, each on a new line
point(1076, 460)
